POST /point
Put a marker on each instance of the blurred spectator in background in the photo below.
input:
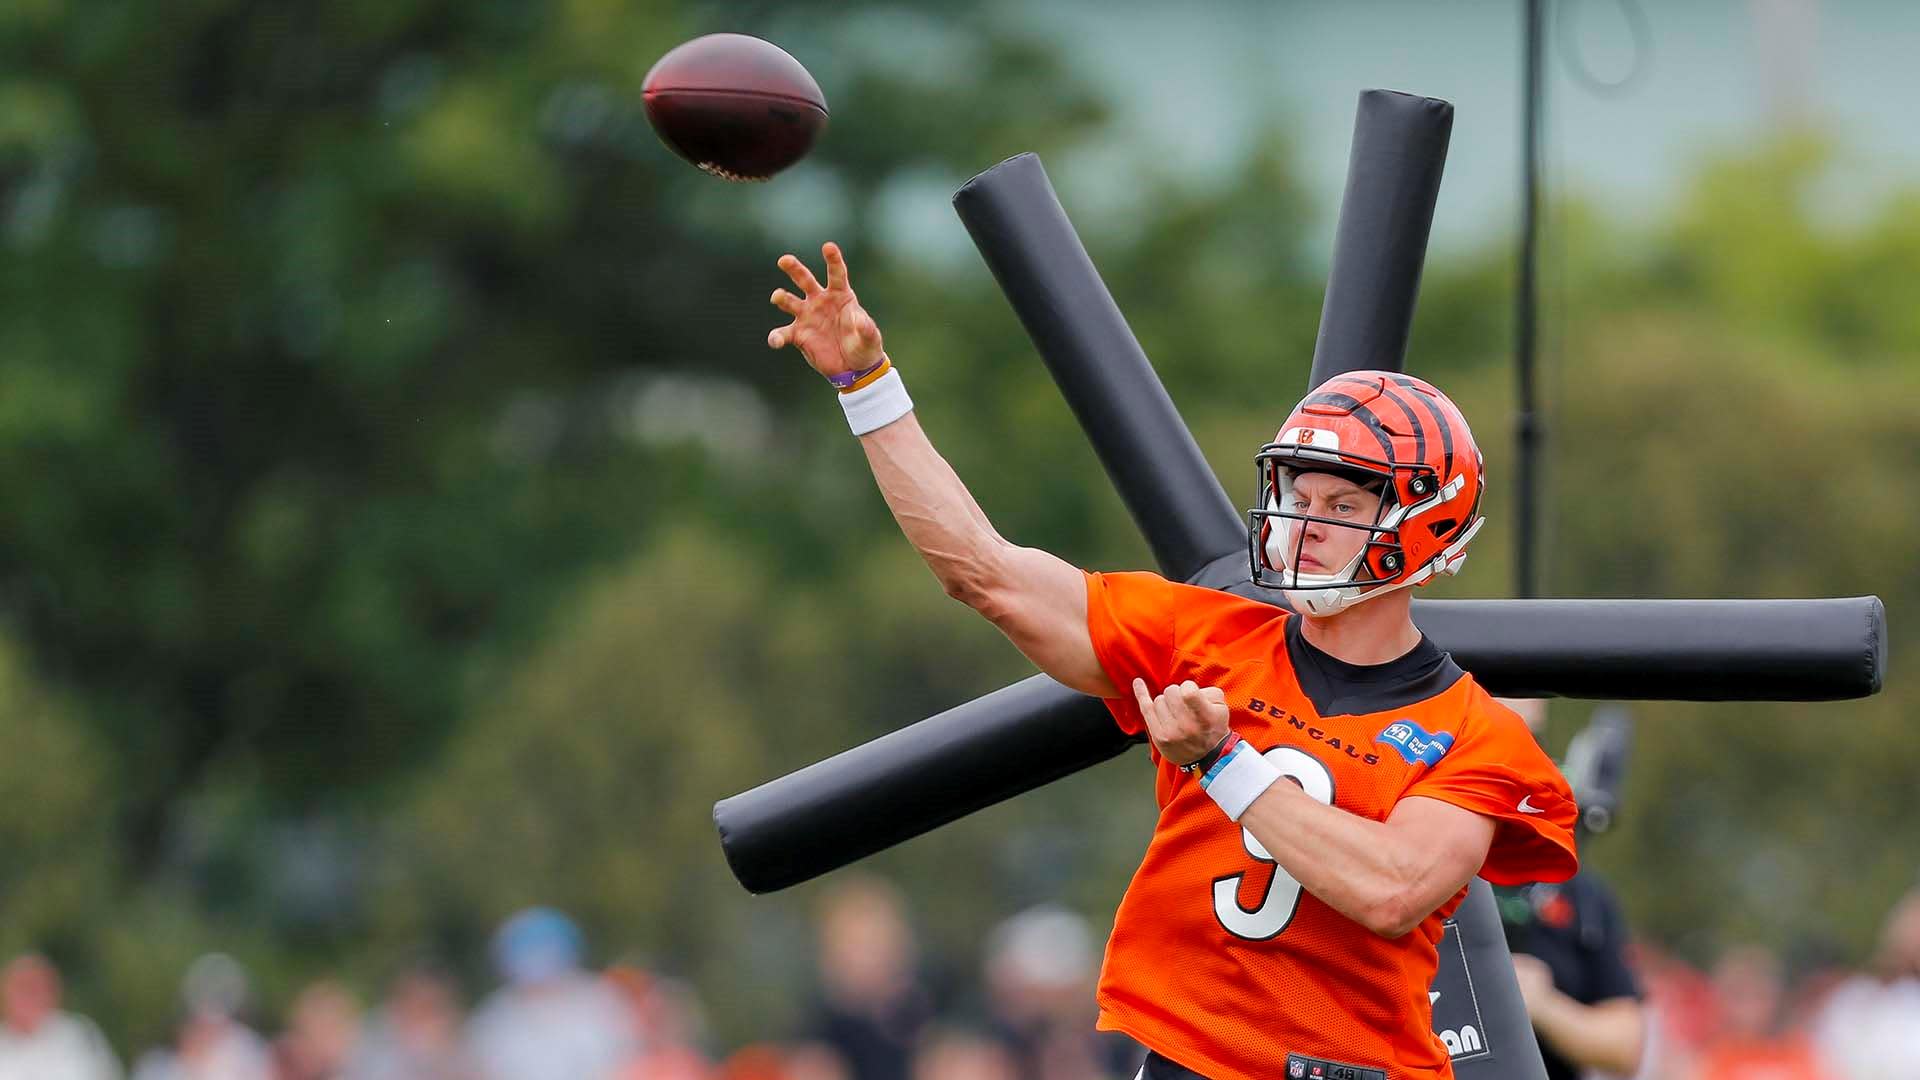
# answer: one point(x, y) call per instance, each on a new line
point(872, 1005)
point(37, 1040)
point(552, 1020)
point(815, 1061)
point(415, 1035)
point(1869, 1027)
point(212, 1043)
point(757, 1061)
point(1569, 942)
point(668, 1026)
point(953, 1055)
point(323, 1030)
point(1755, 1040)
point(1681, 1011)
point(1040, 970)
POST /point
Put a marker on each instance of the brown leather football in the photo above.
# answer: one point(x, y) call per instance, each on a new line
point(736, 106)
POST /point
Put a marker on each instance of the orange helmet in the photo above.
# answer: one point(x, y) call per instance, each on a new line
point(1387, 431)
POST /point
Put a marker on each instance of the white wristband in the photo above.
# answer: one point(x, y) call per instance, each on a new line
point(877, 404)
point(1238, 778)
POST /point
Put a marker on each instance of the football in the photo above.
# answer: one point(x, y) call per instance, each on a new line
point(735, 106)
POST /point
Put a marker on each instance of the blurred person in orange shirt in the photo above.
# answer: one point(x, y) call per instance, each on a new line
point(799, 1061)
point(38, 1041)
point(666, 1023)
point(1681, 1011)
point(1755, 1041)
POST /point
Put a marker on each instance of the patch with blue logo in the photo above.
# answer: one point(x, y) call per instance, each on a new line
point(1415, 744)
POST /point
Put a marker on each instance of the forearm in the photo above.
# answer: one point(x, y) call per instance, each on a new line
point(1037, 600)
point(1605, 1036)
point(1361, 868)
point(934, 509)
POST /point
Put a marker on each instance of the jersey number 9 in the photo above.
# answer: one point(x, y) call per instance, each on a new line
point(1276, 909)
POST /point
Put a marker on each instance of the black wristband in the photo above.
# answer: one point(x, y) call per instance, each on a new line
point(1207, 759)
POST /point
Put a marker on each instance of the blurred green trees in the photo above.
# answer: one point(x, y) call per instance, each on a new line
point(406, 522)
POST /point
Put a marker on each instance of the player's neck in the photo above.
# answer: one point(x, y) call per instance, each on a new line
point(1372, 632)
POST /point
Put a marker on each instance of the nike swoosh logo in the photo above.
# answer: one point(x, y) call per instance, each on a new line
point(1527, 807)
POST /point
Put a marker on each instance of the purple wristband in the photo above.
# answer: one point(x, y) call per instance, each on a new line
point(848, 378)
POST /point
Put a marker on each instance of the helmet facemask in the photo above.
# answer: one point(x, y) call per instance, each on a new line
point(1277, 531)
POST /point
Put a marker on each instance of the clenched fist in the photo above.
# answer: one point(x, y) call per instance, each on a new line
point(829, 326)
point(1184, 722)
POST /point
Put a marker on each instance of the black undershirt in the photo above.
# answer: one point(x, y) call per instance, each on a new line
point(1337, 688)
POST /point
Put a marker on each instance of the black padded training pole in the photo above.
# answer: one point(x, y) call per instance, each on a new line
point(900, 785)
point(1014, 740)
point(1023, 234)
point(1666, 650)
point(1478, 1013)
point(1393, 181)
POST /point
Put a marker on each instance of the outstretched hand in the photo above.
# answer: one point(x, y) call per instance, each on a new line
point(1184, 722)
point(829, 326)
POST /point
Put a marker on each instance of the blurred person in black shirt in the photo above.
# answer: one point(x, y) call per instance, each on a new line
point(959, 1055)
point(1040, 968)
point(1569, 943)
point(873, 1006)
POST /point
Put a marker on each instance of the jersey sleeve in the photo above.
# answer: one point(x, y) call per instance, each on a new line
point(1497, 770)
point(1131, 618)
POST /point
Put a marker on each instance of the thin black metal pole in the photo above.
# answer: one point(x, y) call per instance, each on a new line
point(1528, 426)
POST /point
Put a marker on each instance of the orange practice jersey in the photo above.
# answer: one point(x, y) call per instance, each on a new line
point(1218, 959)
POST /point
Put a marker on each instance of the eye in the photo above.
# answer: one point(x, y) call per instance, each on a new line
point(1344, 508)
point(1299, 504)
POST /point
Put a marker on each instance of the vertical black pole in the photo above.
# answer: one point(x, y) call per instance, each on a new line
point(1380, 245)
point(1527, 425)
point(1022, 232)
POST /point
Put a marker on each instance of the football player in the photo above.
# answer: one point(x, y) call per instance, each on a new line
point(1329, 781)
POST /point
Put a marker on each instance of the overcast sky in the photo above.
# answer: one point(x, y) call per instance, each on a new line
point(1196, 80)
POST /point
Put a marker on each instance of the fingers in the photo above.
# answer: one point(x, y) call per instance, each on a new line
point(836, 265)
point(1178, 702)
point(1145, 701)
point(787, 302)
point(1190, 699)
point(1187, 695)
point(801, 276)
point(778, 338)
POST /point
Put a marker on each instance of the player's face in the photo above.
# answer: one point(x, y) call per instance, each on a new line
point(1325, 548)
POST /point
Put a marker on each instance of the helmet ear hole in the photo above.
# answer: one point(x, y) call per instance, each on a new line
point(1443, 527)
